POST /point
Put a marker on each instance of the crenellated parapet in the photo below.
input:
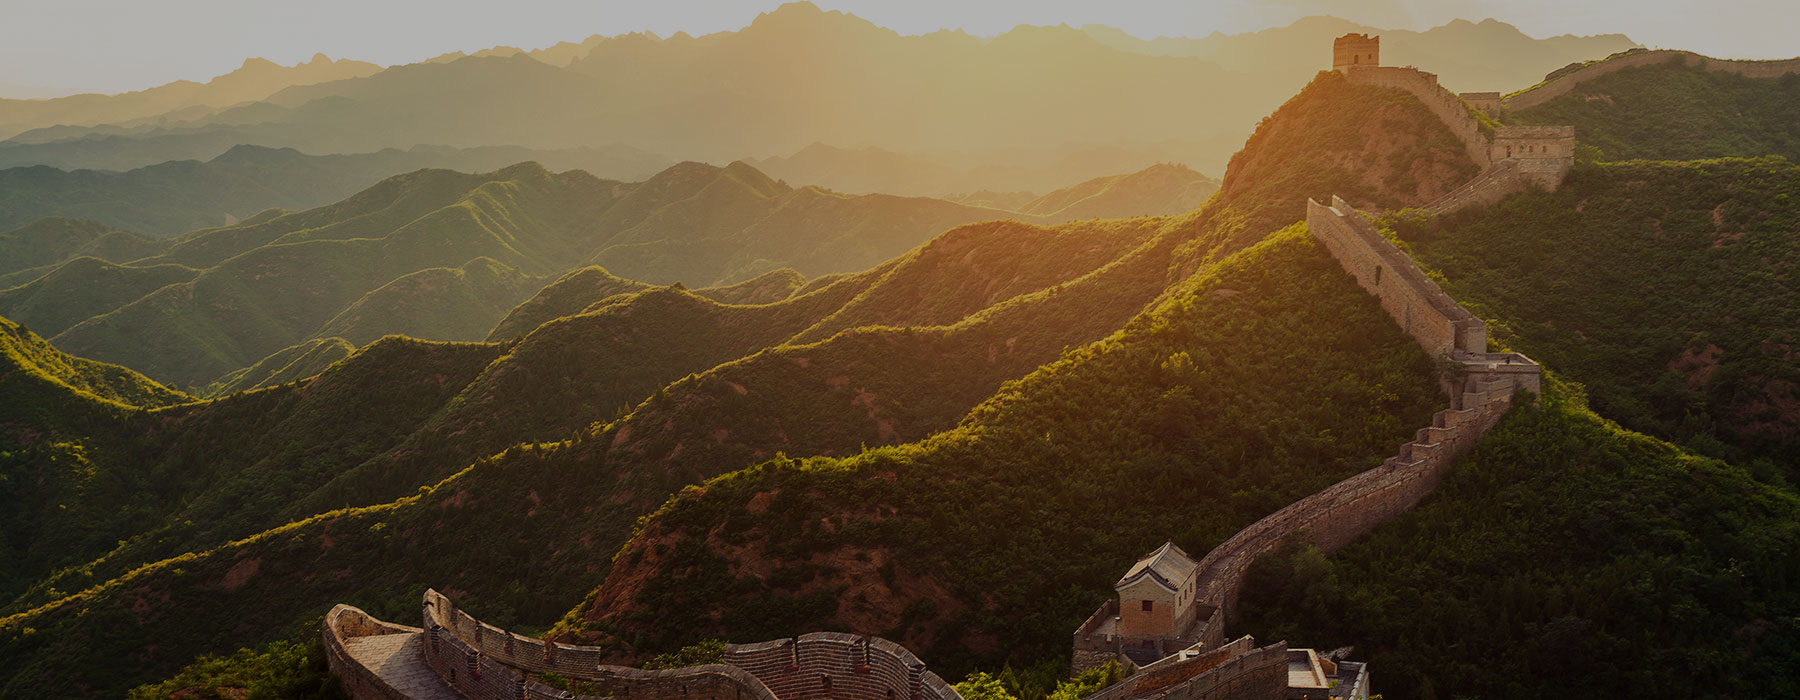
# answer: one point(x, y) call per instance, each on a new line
point(457, 656)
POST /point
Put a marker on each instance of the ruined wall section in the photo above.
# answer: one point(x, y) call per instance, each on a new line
point(1550, 90)
point(1449, 108)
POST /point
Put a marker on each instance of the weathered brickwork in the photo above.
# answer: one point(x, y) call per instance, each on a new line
point(477, 660)
point(1423, 310)
point(1352, 50)
point(1560, 86)
point(344, 623)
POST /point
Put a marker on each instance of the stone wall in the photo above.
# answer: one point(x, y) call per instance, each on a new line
point(1449, 108)
point(1422, 309)
point(484, 661)
point(1175, 670)
point(1259, 674)
point(1348, 509)
point(1550, 90)
point(343, 623)
point(839, 666)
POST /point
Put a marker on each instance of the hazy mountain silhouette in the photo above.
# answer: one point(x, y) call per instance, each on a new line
point(256, 79)
point(798, 76)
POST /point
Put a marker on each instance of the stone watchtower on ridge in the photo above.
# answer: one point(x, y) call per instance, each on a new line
point(1353, 50)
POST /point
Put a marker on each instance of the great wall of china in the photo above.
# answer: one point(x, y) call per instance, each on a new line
point(1196, 663)
point(456, 656)
point(1560, 85)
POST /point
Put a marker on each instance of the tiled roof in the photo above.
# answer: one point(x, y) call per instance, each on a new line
point(1168, 565)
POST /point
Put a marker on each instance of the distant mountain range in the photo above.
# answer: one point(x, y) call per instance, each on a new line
point(444, 255)
point(798, 76)
point(176, 197)
point(256, 79)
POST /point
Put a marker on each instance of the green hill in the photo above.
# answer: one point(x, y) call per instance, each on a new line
point(956, 448)
point(292, 364)
point(85, 287)
point(175, 197)
point(985, 532)
point(1674, 111)
point(1158, 190)
point(439, 302)
point(52, 240)
point(444, 255)
point(1563, 557)
point(1667, 289)
point(567, 296)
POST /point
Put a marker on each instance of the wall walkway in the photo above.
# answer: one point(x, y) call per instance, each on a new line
point(472, 659)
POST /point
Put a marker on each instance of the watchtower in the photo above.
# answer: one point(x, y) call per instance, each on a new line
point(1353, 50)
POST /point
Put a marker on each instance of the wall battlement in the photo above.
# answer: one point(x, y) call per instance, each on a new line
point(473, 659)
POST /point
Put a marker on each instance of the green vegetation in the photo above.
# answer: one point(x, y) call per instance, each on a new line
point(569, 295)
point(984, 686)
point(1010, 526)
point(279, 671)
point(705, 652)
point(52, 240)
point(1673, 111)
point(179, 196)
point(1563, 557)
point(442, 255)
point(1666, 288)
point(83, 288)
point(293, 364)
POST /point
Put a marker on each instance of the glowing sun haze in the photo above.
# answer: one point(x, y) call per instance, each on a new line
point(116, 45)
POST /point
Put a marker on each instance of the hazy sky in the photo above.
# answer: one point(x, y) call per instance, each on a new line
point(115, 45)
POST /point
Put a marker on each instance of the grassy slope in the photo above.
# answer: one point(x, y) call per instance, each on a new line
point(567, 296)
point(440, 303)
point(287, 287)
point(1667, 288)
point(51, 404)
point(1008, 527)
point(532, 567)
point(1157, 190)
point(52, 240)
point(154, 485)
point(1564, 557)
point(298, 362)
point(1676, 112)
point(82, 288)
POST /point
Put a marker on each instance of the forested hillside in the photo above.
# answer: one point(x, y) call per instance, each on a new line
point(957, 445)
point(1674, 111)
point(1667, 289)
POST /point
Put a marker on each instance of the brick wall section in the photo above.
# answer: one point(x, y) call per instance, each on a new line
point(1551, 90)
point(1421, 308)
point(485, 662)
point(1158, 677)
point(1260, 674)
point(1446, 105)
point(359, 682)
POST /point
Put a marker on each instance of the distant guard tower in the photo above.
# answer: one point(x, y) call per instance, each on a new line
point(1353, 50)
